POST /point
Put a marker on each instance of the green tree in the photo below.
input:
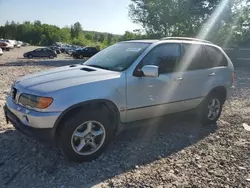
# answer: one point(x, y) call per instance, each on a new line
point(76, 30)
point(37, 33)
point(203, 18)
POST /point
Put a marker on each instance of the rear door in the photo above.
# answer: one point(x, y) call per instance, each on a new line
point(197, 75)
point(37, 53)
point(220, 74)
point(44, 53)
point(93, 51)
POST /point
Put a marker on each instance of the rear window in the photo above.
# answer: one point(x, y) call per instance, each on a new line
point(217, 57)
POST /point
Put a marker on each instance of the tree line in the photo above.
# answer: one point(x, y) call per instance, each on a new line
point(37, 33)
point(224, 22)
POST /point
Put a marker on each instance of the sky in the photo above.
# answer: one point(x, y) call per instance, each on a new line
point(95, 15)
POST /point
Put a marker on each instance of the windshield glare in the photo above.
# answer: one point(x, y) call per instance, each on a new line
point(118, 57)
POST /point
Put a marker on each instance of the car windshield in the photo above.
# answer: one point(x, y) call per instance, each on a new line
point(117, 57)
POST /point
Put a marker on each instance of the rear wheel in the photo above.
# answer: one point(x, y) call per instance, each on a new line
point(30, 56)
point(81, 56)
point(85, 136)
point(210, 109)
point(51, 56)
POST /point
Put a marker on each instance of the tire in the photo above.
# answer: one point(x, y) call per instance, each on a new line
point(30, 56)
point(51, 56)
point(68, 143)
point(207, 116)
point(81, 57)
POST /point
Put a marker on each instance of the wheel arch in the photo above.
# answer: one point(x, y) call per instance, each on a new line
point(221, 90)
point(103, 104)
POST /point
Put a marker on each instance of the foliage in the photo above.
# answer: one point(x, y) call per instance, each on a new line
point(225, 22)
point(38, 33)
point(221, 21)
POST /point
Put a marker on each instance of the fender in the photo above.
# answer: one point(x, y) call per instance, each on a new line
point(107, 103)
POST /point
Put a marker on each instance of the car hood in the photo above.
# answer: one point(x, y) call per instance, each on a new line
point(63, 77)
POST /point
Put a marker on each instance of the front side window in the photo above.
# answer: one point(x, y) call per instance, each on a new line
point(118, 57)
point(165, 56)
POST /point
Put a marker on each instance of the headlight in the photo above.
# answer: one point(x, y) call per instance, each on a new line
point(35, 101)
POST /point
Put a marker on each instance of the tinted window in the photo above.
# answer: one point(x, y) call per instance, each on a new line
point(166, 56)
point(38, 50)
point(195, 57)
point(49, 51)
point(93, 50)
point(217, 58)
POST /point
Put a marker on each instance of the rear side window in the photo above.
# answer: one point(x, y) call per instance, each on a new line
point(195, 57)
point(165, 56)
point(217, 58)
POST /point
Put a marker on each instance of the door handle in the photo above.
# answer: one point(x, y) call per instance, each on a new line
point(179, 79)
point(212, 74)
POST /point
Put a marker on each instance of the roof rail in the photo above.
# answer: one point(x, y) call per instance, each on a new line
point(186, 38)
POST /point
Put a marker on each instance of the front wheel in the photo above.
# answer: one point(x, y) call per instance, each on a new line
point(51, 56)
point(85, 136)
point(210, 109)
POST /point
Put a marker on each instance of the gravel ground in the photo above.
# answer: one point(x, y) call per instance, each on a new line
point(174, 154)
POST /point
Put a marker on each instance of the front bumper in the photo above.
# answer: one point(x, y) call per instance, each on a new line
point(32, 123)
point(46, 134)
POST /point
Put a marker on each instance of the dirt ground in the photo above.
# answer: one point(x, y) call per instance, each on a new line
point(178, 153)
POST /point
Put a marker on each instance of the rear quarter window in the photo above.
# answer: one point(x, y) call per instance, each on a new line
point(217, 58)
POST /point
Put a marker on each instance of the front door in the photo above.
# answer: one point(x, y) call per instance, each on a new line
point(149, 97)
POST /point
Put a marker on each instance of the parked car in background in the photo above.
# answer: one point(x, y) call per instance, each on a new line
point(85, 52)
point(12, 42)
point(6, 45)
point(56, 49)
point(1, 52)
point(20, 43)
point(81, 107)
point(25, 44)
point(41, 53)
point(17, 44)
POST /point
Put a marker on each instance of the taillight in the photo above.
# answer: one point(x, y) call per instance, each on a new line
point(3, 44)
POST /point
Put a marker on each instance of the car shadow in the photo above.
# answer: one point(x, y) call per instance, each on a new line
point(26, 162)
point(43, 62)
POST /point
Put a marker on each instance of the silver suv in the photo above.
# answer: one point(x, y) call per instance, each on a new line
point(82, 106)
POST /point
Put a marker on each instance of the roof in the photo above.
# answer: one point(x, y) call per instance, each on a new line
point(143, 41)
point(174, 39)
point(186, 39)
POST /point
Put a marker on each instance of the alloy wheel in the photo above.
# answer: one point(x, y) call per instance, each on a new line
point(88, 138)
point(213, 109)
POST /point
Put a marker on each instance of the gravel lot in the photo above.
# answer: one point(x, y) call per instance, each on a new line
point(174, 154)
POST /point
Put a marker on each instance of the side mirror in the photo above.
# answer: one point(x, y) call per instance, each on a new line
point(150, 71)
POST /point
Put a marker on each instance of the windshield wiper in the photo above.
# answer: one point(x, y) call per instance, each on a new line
point(99, 66)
